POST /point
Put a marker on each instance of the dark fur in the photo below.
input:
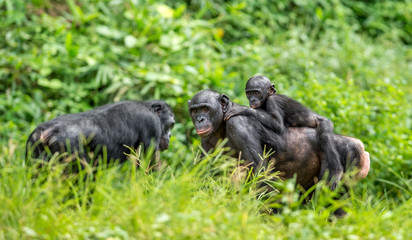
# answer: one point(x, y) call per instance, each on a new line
point(300, 153)
point(262, 95)
point(112, 126)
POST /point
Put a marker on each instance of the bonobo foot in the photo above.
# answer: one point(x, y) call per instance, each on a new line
point(334, 174)
point(334, 178)
point(323, 125)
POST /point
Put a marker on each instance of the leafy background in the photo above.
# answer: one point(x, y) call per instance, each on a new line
point(348, 60)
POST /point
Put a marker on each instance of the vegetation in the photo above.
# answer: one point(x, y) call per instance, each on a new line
point(348, 60)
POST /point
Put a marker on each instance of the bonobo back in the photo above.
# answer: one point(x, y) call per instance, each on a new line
point(106, 129)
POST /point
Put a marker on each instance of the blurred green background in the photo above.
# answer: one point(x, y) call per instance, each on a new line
point(348, 60)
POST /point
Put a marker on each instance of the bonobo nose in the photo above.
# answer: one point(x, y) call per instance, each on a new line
point(201, 119)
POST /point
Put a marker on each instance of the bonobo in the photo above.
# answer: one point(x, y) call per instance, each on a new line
point(299, 155)
point(113, 126)
point(261, 94)
point(207, 109)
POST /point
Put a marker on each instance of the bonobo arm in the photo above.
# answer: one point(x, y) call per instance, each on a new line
point(208, 143)
point(244, 137)
point(239, 110)
point(272, 121)
point(273, 107)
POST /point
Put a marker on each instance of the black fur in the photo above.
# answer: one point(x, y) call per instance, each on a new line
point(297, 149)
point(262, 95)
point(207, 109)
point(111, 126)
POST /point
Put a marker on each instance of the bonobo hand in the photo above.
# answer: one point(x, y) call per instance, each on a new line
point(237, 110)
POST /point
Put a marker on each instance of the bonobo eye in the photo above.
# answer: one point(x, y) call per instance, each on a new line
point(248, 94)
point(205, 109)
point(256, 93)
point(194, 111)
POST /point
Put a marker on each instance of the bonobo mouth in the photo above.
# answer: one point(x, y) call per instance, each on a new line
point(203, 131)
point(254, 105)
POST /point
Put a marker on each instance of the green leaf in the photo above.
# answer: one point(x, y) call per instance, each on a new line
point(319, 13)
point(71, 49)
point(171, 41)
point(165, 11)
point(130, 41)
point(109, 32)
point(52, 84)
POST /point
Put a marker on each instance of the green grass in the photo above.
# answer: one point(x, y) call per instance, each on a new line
point(185, 200)
point(347, 60)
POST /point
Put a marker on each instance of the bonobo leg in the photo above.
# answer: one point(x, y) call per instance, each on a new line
point(331, 159)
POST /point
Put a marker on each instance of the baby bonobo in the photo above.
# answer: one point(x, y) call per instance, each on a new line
point(261, 94)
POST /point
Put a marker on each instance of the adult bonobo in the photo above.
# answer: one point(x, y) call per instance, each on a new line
point(297, 150)
point(111, 126)
point(207, 109)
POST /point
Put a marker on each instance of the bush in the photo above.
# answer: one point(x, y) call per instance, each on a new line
point(347, 60)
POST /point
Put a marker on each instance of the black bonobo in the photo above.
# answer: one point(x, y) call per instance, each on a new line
point(299, 154)
point(261, 94)
point(207, 109)
point(105, 130)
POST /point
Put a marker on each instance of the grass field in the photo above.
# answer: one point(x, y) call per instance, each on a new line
point(348, 60)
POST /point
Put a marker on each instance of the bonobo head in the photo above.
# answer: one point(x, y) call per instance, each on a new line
point(207, 110)
point(258, 89)
point(167, 121)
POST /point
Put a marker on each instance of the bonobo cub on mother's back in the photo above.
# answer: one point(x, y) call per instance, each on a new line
point(110, 127)
point(262, 95)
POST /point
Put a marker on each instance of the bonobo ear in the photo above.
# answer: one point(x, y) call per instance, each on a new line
point(272, 89)
point(224, 101)
point(157, 108)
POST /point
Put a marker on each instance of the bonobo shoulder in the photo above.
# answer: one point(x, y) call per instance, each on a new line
point(238, 122)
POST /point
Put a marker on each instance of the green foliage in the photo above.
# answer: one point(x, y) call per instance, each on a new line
point(347, 60)
point(182, 201)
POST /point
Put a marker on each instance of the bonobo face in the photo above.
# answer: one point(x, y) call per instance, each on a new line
point(167, 121)
point(206, 112)
point(258, 89)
